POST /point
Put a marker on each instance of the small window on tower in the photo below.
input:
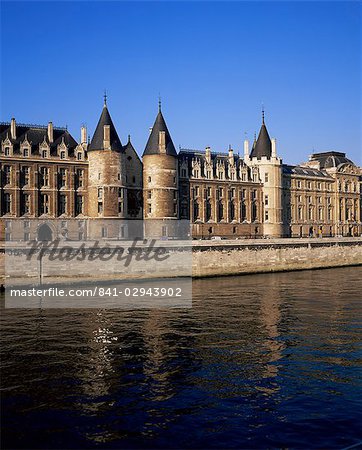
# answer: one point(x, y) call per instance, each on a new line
point(149, 179)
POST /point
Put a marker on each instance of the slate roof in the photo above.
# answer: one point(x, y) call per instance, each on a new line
point(263, 144)
point(331, 159)
point(304, 171)
point(152, 143)
point(97, 139)
point(37, 134)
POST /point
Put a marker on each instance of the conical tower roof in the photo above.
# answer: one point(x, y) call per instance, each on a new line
point(263, 145)
point(152, 146)
point(98, 136)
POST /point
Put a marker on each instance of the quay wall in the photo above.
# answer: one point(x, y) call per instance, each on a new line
point(273, 255)
point(233, 257)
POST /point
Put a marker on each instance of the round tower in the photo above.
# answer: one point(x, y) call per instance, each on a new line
point(106, 177)
point(160, 178)
point(264, 157)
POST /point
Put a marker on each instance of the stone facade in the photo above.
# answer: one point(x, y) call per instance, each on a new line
point(46, 174)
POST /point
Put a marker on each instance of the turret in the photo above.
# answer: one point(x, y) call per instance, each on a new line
point(160, 173)
point(263, 156)
point(106, 186)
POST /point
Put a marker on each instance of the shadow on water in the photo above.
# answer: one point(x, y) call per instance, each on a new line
point(262, 361)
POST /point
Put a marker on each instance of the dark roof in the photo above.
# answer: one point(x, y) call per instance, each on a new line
point(331, 159)
point(263, 144)
point(37, 134)
point(97, 139)
point(304, 171)
point(152, 147)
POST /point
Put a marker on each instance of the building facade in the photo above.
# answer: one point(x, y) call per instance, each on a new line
point(47, 175)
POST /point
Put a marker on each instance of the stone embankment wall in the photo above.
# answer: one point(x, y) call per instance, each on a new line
point(274, 255)
point(219, 258)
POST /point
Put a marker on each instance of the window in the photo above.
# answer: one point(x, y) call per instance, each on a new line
point(149, 179)
point(120, 206)
point(221, 175)
point(7, 151)
point(309, 185)
point(120, 192)
point(266, 200)
point(253, 194)
point(243, 176)
point(175, 208)
point(174, 180)
point(62, 177)
point(104, 232)
point(328, 200)
point(299, 184)
point(99, 175)
point(243, 193)
point(44, 204)
point(44, 176)
point(300, 213)
point(320, 213)
point(232, 192)
point(62, 154)
point(149, 209)
point(119, 176)
point(175, 195)
point(26, 236)
point(26, 175)
point(310, 213)
point(7, 174)
point(183, 174)
point(79, 204)
point(44, 153)
point(208, 174)
point(266, 215)
point(79, 178)
point(318, 185)
point(100, 193)
point(26, 152)
point(197, 191)
point(7, 203)
point(266, 177)
point(208, 191)
point(79, 156)
point(133, 179)
point(62, 209)
point(25, 204)
point(100, 207)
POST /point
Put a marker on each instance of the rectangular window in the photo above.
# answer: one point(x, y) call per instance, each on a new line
point(149, 195)
point(7, 174)
point(26, 152)
point(7, 151)
point(120, 206)
point(266, 200)
point(266, 177)
point(208, 191)
point(62, 154)
point(44, 176)
point(100, 193)
point(149, 209)
point(79, 156)
point(25, 205)
point(62, 177)
point(44, 204)
point(79, 178)
point(266, 215)
point(62, 209)
point(26, 236)
point(232, 192)
point(100, 207)
point(7, 203)
point(79, 204)
point(175, 195)
point(26, 175)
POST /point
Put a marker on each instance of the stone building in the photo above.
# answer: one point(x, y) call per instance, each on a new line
point(97, 188)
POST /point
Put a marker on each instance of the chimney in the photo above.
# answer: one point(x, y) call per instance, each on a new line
point(162, 142)
point(50, 132)
point(83, 134)
point(231, 155)
point(13, 128)
point(106, 137)
point(246, 149)
point(274, 148)
point(208, 155)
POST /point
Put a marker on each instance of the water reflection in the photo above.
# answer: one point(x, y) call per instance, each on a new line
point(255, 362)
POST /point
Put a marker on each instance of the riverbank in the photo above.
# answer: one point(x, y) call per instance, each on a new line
point(226, 257)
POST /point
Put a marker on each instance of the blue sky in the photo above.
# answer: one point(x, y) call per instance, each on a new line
point(213, 63)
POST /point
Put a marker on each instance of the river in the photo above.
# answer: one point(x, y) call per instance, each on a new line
point(259, 361)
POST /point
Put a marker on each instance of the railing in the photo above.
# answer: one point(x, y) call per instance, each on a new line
point(32, 125)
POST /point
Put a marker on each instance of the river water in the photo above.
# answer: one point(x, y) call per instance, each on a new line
point(261, 361)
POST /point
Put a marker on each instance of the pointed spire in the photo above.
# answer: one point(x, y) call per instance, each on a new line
point(97, 142)
point(159, 103)
point(105, 98)
point(129, 138)
point(153, 143)
point(262, 146)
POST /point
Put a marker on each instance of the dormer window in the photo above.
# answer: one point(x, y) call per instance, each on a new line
point(79, 156)
point(26, 152)
point(44, 153)
point(62, 154)
point(7, 151)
